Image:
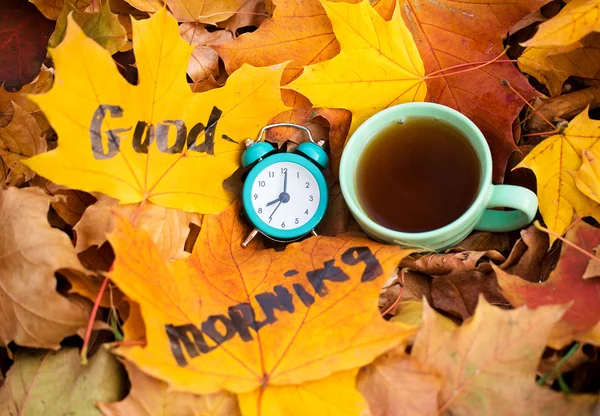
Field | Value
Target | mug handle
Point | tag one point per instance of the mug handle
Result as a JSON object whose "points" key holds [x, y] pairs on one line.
{"points": [[522, 199]]}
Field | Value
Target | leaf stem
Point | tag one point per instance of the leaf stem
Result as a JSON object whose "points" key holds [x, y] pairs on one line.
{"points": [[388, 310], [88, 332], [564, 240], [506, 83]]}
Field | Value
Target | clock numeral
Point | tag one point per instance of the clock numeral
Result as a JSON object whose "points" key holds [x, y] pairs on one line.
{"points": [[297, 221], [310, 198], [270, 219], [271, 174], [260, 210], [283, 224], [306, 212], [261, 184], [307, 185], [298, 175], [283, 170], [255, 196]]}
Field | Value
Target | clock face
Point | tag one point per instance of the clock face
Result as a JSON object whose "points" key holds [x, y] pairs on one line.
{"points": [[285, 195]]}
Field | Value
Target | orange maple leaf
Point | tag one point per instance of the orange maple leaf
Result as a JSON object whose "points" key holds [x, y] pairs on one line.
{"points": [[252, 320]]}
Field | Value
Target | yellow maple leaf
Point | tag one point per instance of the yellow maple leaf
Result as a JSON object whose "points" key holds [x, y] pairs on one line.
{"points": [[575, 20], [553, 65], [553, 162], [157, 140], [255, 321], [379, 65]]}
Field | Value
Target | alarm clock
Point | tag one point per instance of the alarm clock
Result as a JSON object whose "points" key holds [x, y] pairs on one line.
{"points": [[285, 195]]}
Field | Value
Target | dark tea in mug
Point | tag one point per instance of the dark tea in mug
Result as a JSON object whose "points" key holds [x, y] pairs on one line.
{"points": [[417, 175]]}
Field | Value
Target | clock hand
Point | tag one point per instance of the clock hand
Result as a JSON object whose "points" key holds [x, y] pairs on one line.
{"points": [[284, 181], [271, 216], [274, 201]]}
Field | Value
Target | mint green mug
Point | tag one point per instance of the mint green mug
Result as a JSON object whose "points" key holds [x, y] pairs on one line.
{"points": [[478, 216]]}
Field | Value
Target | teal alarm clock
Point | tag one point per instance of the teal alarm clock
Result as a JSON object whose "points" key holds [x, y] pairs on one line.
{"points": [[285, 195]]}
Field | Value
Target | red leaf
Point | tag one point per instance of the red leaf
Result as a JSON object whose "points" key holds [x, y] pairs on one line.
{"points": [[564, 285], [24, 34]]}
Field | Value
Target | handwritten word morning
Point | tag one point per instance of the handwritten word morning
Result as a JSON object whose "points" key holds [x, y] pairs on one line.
{"points": [[241, 318], [150, 133]]}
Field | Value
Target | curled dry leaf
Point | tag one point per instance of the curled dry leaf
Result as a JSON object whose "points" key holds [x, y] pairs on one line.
{"points": [[564, 285], [553, 65], [69, 204], [489, 363], [139, 163], [553, 162], [484, 241], [204, 62], [25, 33], [56, 383], [379, 65], [459, 278], [561, 108], [450, 33], [150, 397], [102, 26], [397, 385], [20, 139], [168, 228], [42, 83], [439, 264], [576, 20], [33, 314], [255, 321]]}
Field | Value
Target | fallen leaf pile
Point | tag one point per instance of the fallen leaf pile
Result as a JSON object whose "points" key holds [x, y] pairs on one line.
{"points": [[124, 287]]}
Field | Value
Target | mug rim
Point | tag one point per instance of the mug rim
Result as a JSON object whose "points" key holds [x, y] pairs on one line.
{"points": [[347, 172]]}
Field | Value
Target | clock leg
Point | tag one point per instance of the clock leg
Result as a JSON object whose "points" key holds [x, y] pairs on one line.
{"points": [[313, 232], [250, 238]]}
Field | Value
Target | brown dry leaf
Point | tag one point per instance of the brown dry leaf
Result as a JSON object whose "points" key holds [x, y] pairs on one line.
{"points": [[484, 241], [489, 363], [151, 397], [204, 62], [562, 107], [397, 385], [69, 204], [33, 313], [304, 116], [439, 264], [20, 139], [252, 13], [553, 65], [459, 278], [52, 8], [42, 83], [167, 227]]}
